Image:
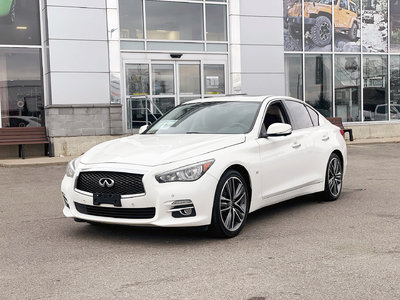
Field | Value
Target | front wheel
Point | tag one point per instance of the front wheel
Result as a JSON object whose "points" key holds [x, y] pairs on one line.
{"points": [[231, 205], [321, 32], [333, 178]]}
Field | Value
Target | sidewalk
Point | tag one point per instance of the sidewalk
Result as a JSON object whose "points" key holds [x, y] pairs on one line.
{"points": [[44, 161]]}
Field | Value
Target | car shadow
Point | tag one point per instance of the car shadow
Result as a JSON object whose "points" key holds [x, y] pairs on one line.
{"points": [[155, 235]]}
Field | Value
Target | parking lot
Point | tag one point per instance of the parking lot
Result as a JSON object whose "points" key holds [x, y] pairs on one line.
{"points": [[304, 248]]}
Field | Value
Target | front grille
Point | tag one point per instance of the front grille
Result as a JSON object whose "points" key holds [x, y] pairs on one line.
{"points": [[121, 213], [124, 183]]}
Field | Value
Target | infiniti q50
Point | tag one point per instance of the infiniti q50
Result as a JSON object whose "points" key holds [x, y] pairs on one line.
{"points": [[208, 162]]}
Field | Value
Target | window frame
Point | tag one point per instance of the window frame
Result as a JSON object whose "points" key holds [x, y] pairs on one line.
{"points": [[292, 119], [284, 112]]}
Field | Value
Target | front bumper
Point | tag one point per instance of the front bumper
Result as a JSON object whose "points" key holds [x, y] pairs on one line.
{"points": [[158, 195], [297, 21]]}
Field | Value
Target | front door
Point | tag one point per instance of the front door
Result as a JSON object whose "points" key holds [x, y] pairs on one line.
{"points": [[170, 83]]}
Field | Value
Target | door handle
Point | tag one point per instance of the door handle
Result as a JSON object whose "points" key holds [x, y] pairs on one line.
{"points": [[325, 138], [296, 145]]}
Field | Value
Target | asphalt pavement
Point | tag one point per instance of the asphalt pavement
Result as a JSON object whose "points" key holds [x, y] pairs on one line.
{"points": [[301, 249]]}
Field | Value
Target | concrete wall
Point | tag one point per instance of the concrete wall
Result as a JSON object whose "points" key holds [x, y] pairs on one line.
{"points": [[375, 130], [83, 120], [258, 47]]}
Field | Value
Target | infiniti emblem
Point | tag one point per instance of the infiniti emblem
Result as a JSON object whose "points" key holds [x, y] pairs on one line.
{"points": [[106, 182]]}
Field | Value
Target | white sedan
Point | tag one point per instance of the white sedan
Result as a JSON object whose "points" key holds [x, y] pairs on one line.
{"points": [[209, 162]]}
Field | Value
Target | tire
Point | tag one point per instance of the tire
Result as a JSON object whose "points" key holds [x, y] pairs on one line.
{"points": [[10, 18], [231, 205], [294, 32], [333, 178], [352, 34], [321, 32]]}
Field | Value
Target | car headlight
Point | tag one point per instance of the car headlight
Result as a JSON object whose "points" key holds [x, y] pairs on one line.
{"points": [[187, 173], [71, 167]]}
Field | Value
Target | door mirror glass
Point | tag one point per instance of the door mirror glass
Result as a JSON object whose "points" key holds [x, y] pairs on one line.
{"points": [[279, 129], [143, 129]]}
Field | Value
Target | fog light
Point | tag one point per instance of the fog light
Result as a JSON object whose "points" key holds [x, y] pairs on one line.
{"points": [[186, 212], [182, 209]]}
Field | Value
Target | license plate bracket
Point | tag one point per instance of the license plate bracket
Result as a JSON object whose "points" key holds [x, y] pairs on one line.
{"points": [[107, 199]]}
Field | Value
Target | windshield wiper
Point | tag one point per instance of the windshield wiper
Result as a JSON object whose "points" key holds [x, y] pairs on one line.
{"points": [[193, 132]]}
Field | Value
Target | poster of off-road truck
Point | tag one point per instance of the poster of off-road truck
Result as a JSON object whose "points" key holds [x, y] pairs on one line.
{"points": [[318, 28]]}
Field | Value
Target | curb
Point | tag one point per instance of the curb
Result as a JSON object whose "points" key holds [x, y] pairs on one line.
{"points": [[34, 162]]}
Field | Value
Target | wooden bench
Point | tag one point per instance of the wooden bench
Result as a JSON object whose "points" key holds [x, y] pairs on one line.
{"points": [[25, 136], [338, 122]]}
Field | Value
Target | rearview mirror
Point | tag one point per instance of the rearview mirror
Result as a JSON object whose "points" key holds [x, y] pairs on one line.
{"points": [[279, 129], [143, 129]]}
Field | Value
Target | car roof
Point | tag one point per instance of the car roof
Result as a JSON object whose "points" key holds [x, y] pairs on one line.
{"points": [[242, 98]]}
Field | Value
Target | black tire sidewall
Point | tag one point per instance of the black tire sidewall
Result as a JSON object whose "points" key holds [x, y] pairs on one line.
{"points": [[316, 38], [217, 227], [353, 32], [327, 192]]}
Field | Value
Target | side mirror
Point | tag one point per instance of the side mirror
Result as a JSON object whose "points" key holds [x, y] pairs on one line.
{"points": [[143, 129], [279, 129]]}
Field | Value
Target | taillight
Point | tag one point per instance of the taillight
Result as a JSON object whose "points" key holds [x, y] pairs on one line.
{"points": [[342, 132]]}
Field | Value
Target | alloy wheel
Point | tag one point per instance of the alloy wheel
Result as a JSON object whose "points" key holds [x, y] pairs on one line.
{"points": [[335, 176], [325, 31], [233, 203]]}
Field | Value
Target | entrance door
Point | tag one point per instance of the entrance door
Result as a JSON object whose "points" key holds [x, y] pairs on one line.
{"points": [[170, 83]]}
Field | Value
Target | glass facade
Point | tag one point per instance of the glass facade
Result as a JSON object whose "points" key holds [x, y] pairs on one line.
{"points": [[21, 87], [348, 67], [195, 26]]}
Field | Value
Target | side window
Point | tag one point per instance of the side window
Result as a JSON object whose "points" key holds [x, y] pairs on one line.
{"points": [[343, 4], [353, 7], [299, 115], [314, 116], [275, 114]]}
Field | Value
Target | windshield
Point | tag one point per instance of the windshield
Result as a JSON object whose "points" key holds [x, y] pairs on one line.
{"points": [[208, 118]]}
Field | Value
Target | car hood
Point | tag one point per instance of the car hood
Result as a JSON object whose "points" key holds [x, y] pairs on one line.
{"points": [[153, 150]]}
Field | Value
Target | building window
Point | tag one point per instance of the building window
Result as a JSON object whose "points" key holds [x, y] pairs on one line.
{"points": [[174, 20], [216, 22], [131, 19], [173, 26], [19, 22], [375, 88], [214, 79], [294, 75], [21, 92], [395, 25], [318, 82], [365, 38], [395, 87], [348, 87]]}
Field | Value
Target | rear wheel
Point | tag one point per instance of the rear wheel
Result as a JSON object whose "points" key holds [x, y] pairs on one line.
{"points": [[353, 32], [333, 178], [231, 205]]}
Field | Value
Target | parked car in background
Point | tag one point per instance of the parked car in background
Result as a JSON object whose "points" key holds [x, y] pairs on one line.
{"points": [[209, 162], [21, 121], [7, 10], [368, 17], [381, 112]]}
